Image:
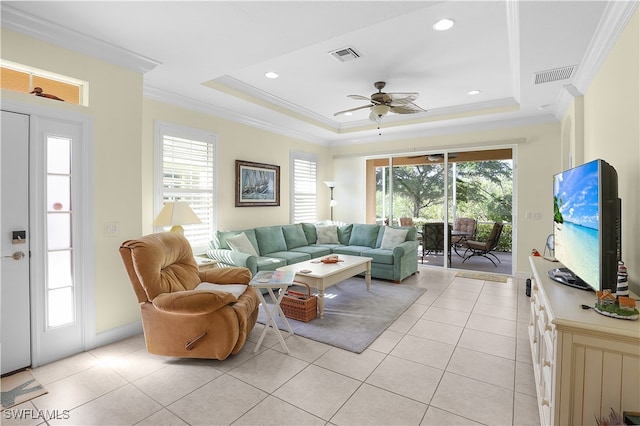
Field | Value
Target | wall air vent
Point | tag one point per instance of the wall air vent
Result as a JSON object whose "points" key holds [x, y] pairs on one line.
{"points": [[555, 74], [345, 54]]}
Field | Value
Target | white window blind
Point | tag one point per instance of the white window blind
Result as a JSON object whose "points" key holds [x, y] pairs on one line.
{"points": [[303, 187], [187, 173]]}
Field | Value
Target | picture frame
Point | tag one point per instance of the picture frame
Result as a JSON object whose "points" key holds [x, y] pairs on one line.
{"points": [[257, 184]]}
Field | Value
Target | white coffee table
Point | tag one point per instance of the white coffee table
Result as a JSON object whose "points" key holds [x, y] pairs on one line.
{"points": [[323, 275]]}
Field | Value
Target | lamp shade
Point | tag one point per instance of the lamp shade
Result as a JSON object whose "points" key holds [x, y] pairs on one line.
{"points": [[330, 184], [176, 214]]}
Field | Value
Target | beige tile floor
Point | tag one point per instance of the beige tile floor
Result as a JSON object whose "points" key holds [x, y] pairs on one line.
{"points": [[457, 356]]}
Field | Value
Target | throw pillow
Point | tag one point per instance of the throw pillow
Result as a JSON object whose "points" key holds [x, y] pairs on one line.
{"points": [[235, 289], [294, 236], [242, 244], [327, 234], [392, 237]]}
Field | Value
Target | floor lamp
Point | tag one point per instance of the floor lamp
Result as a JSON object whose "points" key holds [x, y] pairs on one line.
{"points": [[333, 202]]}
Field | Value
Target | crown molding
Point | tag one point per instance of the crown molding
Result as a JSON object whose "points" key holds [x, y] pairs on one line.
{"points": [[614, 20], [292, 109], [206, 108], [51, 32]]}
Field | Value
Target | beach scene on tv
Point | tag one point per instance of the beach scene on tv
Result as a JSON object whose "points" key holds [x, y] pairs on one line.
{"points": [[576, 220]]}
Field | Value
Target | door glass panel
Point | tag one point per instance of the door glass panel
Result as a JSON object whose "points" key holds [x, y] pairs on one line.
{"points": [[58, 193], [59, 269], [383, 196], [58, 155], [59, 231], [60, 278], [60, 303]]}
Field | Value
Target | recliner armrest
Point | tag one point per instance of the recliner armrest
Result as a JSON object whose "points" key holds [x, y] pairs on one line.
{"points": [[193, 302], [227, 275]]}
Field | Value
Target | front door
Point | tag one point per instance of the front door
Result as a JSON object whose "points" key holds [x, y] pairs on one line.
{"points": [[15, 243]]}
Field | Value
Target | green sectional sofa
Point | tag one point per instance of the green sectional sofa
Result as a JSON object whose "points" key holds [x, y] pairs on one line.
{"points": [[395, 256]]}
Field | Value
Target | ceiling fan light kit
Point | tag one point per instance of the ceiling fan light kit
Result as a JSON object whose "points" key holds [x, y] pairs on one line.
{"points": [[380, 109], [381, 103]]}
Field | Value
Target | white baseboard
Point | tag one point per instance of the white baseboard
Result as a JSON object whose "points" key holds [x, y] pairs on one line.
{"points": [[116, 334]]}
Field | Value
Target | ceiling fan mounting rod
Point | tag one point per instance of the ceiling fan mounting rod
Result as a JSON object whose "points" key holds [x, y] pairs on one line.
{"points": [[379, 85]]}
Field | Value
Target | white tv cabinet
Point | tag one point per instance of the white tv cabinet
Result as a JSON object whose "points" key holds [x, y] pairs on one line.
{"points": [[584, 363]]}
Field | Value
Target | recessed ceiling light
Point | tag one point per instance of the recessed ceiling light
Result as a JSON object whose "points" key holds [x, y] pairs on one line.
{"points": [[348, 113], [443, 24], [271, 74], [473, 92]]}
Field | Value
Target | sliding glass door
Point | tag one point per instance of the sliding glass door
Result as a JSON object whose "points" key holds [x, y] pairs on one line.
{"points": [[433, 189]]}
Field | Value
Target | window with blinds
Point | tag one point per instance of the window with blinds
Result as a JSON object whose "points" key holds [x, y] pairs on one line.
{"points": [[303, 187], [186, 166]]}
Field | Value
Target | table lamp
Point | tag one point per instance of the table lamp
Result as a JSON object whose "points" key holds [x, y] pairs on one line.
{"points": [[176, 214]]}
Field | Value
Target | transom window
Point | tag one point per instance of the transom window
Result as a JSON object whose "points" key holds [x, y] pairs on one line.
{"points": [[22, 78]]}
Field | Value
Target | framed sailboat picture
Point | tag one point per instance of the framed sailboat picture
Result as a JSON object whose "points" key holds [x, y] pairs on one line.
{"points": [[257, 184]]}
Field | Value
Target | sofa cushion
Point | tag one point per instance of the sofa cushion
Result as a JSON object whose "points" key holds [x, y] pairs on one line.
{"points": [[393, 237], [290, 257], [382, 256], [265, 263], [314, 250], [242, 244], [351, 250], [344, 233], [294, 236], [310, 232], [327, 234], [364, 235], [270, 239]]}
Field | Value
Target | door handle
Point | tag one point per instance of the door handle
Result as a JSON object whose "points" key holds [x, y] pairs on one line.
{"points": [[15, 256]]}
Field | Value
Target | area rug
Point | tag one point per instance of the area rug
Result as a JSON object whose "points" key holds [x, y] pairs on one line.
{"points": [[484, 277], [18, 388], [353, 317]]}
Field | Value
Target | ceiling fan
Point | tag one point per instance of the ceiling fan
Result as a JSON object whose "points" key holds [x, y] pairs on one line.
{"points": [[381, 103], [435, 157]]}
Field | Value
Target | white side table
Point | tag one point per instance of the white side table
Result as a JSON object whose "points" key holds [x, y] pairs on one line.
{"points": [[271, 280], [205, 263]]}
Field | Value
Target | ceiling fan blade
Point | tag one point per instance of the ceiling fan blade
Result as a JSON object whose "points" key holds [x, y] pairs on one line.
{"points": [[402, 98], [409, 108], [352, 109], [359, 97]]}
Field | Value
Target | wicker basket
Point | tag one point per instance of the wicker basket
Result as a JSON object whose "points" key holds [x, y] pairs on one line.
{"points": [[300, 306]]}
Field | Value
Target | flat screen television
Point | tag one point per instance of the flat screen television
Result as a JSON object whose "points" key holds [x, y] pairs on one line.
{"points": [[586, 226]]}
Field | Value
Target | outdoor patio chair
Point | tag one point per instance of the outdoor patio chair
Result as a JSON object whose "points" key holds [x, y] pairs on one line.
{"points": [[433, 239], [485, 248]]}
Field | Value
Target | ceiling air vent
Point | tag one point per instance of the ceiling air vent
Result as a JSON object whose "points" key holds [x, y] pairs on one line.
{"points": [[345, 54], [553, 75]]}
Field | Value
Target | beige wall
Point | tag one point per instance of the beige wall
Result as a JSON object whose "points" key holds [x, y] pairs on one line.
{"points": [[612, 132], [234, 142]]}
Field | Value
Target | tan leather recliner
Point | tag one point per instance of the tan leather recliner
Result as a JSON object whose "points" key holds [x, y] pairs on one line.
{"points": [[178, 320]]}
